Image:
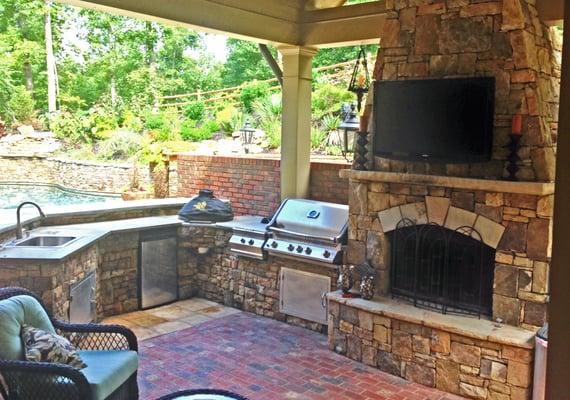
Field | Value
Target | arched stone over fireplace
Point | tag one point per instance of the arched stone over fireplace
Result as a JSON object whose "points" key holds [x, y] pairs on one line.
{"points": [[437, 210]]}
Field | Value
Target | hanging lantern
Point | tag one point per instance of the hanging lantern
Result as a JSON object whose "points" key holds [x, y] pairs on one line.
{"points": [[360, 80]]}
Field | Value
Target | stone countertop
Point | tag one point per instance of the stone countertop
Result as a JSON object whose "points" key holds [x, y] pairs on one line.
{"points": [[87, 234], [30, 214], [480, 329]]}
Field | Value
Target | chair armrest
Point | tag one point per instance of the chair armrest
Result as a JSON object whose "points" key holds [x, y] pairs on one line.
{"points": [[98, 336], [42, 380]]}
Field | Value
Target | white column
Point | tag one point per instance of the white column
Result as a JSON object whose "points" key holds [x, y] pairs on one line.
{"points": [[296, 121]]}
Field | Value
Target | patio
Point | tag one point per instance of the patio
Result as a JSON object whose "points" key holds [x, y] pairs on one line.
{"points": [[255, 350], [212, 346]]}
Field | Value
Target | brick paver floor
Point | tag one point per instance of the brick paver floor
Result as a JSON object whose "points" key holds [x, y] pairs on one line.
{"points": [[264, 359]]}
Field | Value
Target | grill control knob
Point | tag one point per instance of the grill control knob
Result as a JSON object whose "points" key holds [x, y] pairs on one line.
{"points": [[274, 244], [308, 250], [251, 242], [326, 254], [242, 240], [290, 247], [299, 249]]}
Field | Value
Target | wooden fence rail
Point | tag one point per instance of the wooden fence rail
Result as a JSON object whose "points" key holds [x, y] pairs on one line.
{"points": [[332, 72]]}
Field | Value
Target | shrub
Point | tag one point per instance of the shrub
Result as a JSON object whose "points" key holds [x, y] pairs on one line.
{"points": [[154, 121], [70, 127], [21, 104], [162, 126], [229, 119], [251, 92], [103, 122], [330, 122], [122, 145], [327, 99], [318, 138], [195, 110], [190, 132], [272, 129]]}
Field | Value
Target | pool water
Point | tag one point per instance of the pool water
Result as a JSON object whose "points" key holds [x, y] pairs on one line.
{"points": [[12, 194]]}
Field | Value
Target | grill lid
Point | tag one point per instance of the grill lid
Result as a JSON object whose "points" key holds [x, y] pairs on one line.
{"points": [[316, 219], [206, 208]]}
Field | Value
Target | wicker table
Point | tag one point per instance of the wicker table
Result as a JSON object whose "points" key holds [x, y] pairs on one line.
{"points": [[203, 394]]}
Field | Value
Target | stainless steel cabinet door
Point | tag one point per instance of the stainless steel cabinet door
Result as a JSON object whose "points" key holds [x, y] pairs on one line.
{"points": [[159, 275]]}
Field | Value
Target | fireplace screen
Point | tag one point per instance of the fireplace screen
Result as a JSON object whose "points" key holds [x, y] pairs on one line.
{"points": [[438, 268]]}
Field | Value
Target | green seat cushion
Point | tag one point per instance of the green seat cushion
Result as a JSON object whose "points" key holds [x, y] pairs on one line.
{"points": [[14, 313], [107, 370]]}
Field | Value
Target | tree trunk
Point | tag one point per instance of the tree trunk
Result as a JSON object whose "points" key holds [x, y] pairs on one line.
{"points": [[50, 60], [112, 50], [151, 58], [28, 76]]}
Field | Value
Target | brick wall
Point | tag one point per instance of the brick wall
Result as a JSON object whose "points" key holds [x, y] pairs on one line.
{"points": [[252, 184]]}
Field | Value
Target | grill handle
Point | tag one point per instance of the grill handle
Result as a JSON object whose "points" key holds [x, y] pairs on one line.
{"points": [[303, 236]]}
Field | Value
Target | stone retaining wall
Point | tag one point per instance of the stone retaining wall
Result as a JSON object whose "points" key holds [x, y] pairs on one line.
{"points": [[73, 174], [477, 369]]}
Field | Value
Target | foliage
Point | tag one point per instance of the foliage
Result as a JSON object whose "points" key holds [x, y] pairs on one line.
{"points": [[123, 144], [72, 127], [337, 55], [230, 119], [245, 63], [272, 129], [327, 99], [318, 138], [195, 110], [330, 122], [189, 130], [21, 105], [251, 92], [110, 81]]}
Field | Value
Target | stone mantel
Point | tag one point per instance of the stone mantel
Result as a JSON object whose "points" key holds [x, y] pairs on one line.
{"points": [[530, 188]]}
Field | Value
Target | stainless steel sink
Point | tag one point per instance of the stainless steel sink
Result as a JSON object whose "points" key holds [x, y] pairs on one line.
{"points": [[45, 241]]}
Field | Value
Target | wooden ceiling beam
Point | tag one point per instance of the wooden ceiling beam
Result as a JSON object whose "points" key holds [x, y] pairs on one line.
{"points": [[343, 26], [550, 11], [242, 19], [276, 21]]}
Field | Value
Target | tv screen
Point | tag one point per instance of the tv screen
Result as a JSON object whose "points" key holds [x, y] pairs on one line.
{"points": [[441, 120]]}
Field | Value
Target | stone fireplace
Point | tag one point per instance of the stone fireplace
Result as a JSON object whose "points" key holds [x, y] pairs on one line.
{"points": [[489, 355], [514, 219]]}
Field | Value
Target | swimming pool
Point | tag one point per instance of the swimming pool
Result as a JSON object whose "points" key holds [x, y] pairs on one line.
{"points": [[12, 194]]}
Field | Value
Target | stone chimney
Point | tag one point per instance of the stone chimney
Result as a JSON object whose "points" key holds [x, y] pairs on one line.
{"points": [[467, 38]]}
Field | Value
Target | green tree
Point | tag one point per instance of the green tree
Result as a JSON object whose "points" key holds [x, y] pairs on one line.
{"points": [[245, 63]]}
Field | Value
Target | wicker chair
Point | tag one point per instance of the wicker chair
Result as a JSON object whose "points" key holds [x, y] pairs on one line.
{"points": [[50, 381]]}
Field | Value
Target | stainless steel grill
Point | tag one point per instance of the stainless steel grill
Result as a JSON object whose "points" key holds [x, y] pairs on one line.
{"points": [[249, 236], [311, 230]]}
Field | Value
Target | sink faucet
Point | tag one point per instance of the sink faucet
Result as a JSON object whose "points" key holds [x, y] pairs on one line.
{"points": [[19, 231]]}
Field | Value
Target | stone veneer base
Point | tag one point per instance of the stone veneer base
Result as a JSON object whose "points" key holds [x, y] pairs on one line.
{"points": [[471, 357]]}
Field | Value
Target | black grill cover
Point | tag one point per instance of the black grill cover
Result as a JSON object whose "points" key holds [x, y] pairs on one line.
{"points": [[206, 208]]}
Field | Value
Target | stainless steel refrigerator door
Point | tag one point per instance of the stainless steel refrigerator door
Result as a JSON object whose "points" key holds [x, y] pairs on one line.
{"points": [[159, 275]]}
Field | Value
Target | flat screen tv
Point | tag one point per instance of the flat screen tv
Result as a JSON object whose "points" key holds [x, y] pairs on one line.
{"points": [[436, 120]]}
